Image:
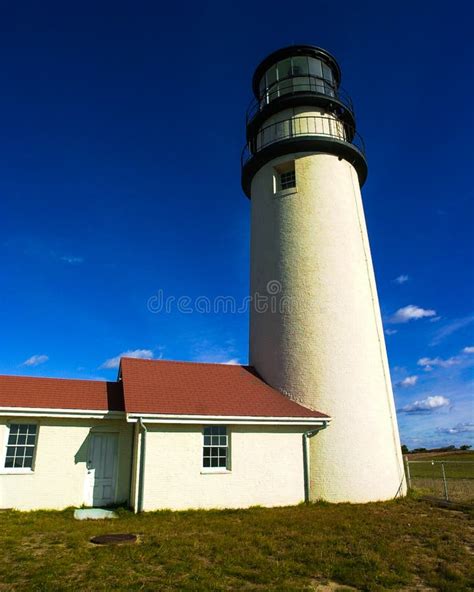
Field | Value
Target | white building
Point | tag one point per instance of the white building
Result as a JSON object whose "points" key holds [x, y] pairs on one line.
{"points": [[171, 435]]}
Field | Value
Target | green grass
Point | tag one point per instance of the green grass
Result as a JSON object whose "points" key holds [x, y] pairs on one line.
{"points": [[401, 545], [456, 466]]}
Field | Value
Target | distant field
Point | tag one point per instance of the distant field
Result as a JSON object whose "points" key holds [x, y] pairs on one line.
{"points": [[404, 546], [458, 465], [427, 477]]}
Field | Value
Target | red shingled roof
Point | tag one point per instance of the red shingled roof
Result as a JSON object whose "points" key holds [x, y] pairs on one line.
{"points": [[186, 388], [58, 393]]}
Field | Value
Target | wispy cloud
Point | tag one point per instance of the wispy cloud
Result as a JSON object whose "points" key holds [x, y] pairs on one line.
{"points": [[72, 260], [36, 360], [408, 381], [411, 312], [142, 354], [391, 331], [468, 350], [451, 328], [429, 363], [207, 350], [426, 405], [460, 428], [401, 279]]}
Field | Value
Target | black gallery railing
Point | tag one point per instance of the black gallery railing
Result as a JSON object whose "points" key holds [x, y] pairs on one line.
{"points": [[298, 84], [309, 126]]}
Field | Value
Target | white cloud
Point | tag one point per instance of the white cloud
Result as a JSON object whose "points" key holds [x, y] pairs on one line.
{"points": [[426, 405], [72, 260], [451, 328], [142, 354], [408, 381], [391, 331], [411, 312], [468, 350], [36, 360], [233, 362], [429, 363], [460, 428], [401, 279]]}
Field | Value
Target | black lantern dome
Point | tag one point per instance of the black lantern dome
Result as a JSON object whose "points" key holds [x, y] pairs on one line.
{"points": [[289, 79]]}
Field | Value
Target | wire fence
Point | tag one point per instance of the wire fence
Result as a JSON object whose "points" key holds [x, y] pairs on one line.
{"points": [[451, 480]]}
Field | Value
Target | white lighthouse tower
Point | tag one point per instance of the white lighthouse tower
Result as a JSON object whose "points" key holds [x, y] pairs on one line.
{"points": [[323, 345]]}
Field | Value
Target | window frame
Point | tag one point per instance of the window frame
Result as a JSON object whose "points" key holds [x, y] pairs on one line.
{"points": [[227, 467], [282, 169], [283, 182], [18, 470]]}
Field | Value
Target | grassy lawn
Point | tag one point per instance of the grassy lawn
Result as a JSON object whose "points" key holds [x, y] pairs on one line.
{"points": [[402, 545]]}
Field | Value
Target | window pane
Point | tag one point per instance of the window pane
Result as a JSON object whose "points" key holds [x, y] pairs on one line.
{"points": [[214, 462], [300, 66], [222, 462], [315, 68], [272, 75], [21, 446], [206, 462], [284, 69], [327, 73], [287, 180], [223, 440]]}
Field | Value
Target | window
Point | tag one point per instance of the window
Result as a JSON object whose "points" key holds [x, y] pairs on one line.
{"points": [[284, 177], [287, 180], [21, 446], [216, 448]]}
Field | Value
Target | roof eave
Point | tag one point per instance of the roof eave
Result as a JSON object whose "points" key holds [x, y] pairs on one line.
{"points": [[57, 412], [227, 419]]}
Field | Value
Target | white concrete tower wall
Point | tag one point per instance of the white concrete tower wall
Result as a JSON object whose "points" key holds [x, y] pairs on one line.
{"points": [[324, 345]]}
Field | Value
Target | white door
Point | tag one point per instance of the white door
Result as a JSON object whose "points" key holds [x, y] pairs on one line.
{"points": [[102, 469]]}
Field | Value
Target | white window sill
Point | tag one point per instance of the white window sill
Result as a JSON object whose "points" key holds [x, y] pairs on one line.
{"points": [[16, 472], [215, 472], [285, 192]]}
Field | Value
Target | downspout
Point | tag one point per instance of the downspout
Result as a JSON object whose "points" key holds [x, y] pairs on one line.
{"points": [[306, 459], [141, 470]]}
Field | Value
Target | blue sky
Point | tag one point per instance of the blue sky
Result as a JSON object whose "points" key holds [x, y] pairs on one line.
{"points": [[121, 131]]}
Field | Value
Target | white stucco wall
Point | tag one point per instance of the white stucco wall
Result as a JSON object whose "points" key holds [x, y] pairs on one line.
{"points": [[59, 475], [266, 468], [326, 349]]}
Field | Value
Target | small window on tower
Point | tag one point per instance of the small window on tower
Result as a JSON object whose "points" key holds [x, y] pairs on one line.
{"points": [[287, 180], [284, 177]]}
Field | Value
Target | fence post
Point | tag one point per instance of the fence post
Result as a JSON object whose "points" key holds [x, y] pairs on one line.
{"points": [[445, 482], [407, 466]]}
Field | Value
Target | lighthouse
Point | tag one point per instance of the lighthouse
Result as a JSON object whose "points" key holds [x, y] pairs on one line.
{"points": [[323, 346]]}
